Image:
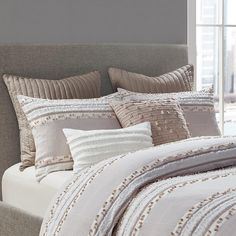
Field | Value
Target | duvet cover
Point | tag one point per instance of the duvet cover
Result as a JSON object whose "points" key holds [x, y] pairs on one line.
{"points": [[182, 188]]}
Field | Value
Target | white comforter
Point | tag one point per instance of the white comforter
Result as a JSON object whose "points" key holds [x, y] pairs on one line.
{"points": [[172, 189]]}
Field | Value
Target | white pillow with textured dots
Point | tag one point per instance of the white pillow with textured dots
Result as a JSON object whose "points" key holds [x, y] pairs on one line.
{"points": [[90, 147]]}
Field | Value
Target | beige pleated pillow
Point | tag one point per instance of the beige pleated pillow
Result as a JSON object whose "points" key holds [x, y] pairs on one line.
{"points": [[175, 81], [166, 118], [81, 86]]}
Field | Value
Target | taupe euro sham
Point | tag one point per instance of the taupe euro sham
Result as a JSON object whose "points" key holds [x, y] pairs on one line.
{"points": [[79, 86], [178, 80]]}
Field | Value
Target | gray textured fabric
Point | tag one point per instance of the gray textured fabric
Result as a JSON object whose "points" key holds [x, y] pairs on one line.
{"points": [[14, 222], [59, 61]]}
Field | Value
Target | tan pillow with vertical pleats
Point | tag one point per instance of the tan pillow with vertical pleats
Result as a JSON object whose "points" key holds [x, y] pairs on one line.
{"points": [[175, 81], [166, 118], [81, 86]]}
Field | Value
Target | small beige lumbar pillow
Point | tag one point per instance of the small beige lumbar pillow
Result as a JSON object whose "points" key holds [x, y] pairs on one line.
{"points": [[90, 147]]}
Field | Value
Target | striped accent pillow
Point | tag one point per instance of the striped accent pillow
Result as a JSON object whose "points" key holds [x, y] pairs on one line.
{"points": [[80, 86], [47, 119], [198, 108], [166, 117], [90, 147], [175, 81]]}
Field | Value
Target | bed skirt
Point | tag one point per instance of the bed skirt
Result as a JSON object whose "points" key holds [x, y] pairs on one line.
{"points": [[14, 222]]}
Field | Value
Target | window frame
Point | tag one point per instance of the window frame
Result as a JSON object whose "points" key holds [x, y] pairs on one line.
{"points": [[192, 49], [192, 36]]}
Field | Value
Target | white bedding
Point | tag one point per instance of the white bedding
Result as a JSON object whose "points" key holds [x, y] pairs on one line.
{"points": [[20, 189]]}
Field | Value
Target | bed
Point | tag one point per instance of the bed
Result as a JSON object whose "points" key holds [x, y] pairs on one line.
{"points": [[184, 185], [53, 61]]}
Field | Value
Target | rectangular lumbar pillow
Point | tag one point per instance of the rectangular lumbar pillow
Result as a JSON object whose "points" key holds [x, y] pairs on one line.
{"points": [[48, 118], [166, 117], [81, 86], [198, 109], [175, 81], [90, 147]]}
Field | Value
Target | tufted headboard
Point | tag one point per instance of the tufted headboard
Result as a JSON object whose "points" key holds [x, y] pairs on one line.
{"points": [[58, 61]]}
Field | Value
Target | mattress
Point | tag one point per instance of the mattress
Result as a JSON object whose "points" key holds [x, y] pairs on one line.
{"points": [[21, 190]]}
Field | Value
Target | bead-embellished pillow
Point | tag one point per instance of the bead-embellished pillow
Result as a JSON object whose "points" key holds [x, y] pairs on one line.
{"points": [[166, 118]]}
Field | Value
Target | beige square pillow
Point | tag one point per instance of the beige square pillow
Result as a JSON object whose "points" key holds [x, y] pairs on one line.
{"points": [[81, 86], [175, 81], [166, 118]]}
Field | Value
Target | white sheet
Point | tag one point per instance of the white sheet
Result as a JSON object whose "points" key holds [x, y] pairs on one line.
{"points": [[20, 189]]}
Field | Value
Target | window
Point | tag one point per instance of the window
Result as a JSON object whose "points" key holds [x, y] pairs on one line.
{"points": [[212, 43]]}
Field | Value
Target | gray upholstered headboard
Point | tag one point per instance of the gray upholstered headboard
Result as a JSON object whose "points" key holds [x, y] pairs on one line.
{"points": [[57, 61]]}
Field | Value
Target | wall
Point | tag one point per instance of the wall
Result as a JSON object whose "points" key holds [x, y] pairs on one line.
{"points": [[93, 21]]}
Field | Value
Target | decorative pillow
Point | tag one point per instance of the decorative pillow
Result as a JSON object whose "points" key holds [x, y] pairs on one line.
{"points": [[82, 86], [48, 118], [166, 117], [175, 81], [90, 147], [198, 109]]}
